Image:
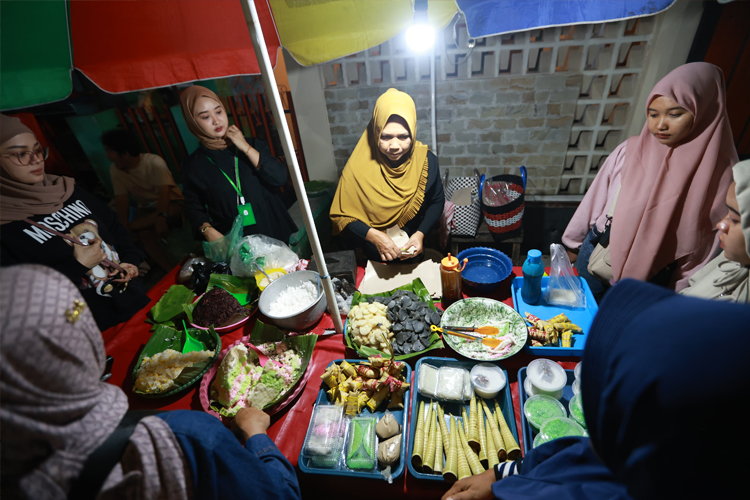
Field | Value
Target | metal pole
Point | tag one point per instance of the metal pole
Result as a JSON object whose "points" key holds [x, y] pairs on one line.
{"points": [[277, 108]]}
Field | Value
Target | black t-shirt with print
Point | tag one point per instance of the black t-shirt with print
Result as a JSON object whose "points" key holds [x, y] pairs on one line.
{"points": [[83, 217]]}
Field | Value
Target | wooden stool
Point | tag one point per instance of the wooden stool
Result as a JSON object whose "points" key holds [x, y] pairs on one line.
{"points": [[484, 238]]}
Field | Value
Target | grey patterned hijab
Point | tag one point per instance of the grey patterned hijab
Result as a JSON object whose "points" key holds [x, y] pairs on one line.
{"points": [[54, 411]]}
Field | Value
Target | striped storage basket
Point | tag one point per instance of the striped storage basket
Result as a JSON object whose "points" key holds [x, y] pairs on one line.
{"points": [[505, 221]]}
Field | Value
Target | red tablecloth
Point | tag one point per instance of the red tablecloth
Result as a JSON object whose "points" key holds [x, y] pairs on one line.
{"points": [[289, 426]]}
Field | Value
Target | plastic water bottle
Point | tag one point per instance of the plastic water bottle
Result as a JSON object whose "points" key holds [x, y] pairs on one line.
{"points": [[533, 270]]}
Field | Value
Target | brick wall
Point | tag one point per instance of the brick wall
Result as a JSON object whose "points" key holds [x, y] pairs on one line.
{"points": [[497, 124]]}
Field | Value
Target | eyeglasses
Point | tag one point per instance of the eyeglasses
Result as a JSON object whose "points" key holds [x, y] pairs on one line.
{"points": [[25, 158]]}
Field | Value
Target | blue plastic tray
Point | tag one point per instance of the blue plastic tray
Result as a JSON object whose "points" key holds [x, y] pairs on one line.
{"points": [[504, 399], [401, 417], [528, 432], [542, 310]]}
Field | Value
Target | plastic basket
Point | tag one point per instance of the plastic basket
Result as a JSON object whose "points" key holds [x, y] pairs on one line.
{"points": [[505, 221]]}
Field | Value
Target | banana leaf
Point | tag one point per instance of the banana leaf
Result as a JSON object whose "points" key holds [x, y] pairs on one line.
{"points": [[170, 304], [164, 338], [231, 284], [421, 291]]}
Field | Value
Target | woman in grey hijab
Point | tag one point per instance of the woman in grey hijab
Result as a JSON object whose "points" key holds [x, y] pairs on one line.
{"points": [[56, 415]]}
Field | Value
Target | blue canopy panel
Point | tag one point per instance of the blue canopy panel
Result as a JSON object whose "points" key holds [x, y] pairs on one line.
{"points": [[495, 17]]}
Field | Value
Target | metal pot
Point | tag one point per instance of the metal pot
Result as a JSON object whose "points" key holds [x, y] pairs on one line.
{"points": [[300, 320]]}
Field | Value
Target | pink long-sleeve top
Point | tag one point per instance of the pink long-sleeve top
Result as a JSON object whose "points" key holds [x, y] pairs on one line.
{"points": [[596, 205]]}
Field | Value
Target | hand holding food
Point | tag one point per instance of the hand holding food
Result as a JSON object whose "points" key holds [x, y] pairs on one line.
{"points": [[387, 249], [251, 421]]}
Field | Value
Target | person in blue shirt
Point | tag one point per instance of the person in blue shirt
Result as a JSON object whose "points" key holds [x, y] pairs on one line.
{"points": [[663, 383], [67, 434]]}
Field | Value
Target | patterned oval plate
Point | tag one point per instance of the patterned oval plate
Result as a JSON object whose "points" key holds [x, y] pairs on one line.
{"points": [[480, 311]]}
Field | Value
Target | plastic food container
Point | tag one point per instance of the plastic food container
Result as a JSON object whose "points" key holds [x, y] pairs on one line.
{"points": [[362, 448], [451, 382], [575, 407], [427, 383], [539, 440], [488, 380], [560, 427], [538, 409], [547, 377], [577, 371], [576, 387], [325, 437], [528, 387]]}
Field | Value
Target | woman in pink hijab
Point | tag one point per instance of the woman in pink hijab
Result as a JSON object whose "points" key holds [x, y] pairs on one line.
{"points": [[667, 186]]}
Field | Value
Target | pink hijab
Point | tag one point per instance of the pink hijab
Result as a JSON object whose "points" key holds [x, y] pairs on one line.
{"points": [[672, 197]]}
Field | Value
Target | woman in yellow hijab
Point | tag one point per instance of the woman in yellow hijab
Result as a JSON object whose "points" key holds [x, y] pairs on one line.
{"points": [[391, 179]]}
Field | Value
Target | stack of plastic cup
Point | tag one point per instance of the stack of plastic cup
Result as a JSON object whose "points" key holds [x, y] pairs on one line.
{"points": [[577, 381]]}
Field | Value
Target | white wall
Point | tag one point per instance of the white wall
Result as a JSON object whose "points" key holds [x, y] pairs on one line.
{"points": [[668, 49], [306, 85]]}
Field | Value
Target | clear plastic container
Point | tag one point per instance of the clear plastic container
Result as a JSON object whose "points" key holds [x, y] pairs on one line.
{"points": [[362, 446], [528, 387], [451, 383], [488, 380], [538, 409], [468, 389], [539, 440], [576, 386], [559, 427], [577, 371], [324, 442], [575, 407], [427, 383], [547, 377]]}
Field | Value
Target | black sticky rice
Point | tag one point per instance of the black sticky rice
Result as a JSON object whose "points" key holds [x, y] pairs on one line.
{"points": [[215, 308]]}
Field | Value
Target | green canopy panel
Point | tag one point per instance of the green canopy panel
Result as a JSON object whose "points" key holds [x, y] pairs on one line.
{"points": [[34, 47]]}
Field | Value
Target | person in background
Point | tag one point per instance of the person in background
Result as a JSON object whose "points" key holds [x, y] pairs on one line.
{"points": [[654, 404], [391, 179], [229, 174], [66, 434], [667, 186], [727, 277], [40, 217], [147, 179]]}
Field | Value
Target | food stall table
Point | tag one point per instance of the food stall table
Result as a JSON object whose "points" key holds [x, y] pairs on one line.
{"points": [[288, 427]]}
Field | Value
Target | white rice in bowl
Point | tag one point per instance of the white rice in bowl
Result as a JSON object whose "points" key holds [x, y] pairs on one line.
{"points": [[294, 299]]}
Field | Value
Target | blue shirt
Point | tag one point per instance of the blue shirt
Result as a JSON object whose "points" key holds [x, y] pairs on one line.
{"points": [[220, 467]]}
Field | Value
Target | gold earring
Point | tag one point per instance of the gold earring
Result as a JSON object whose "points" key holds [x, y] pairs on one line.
{"points": [[72, 316]]}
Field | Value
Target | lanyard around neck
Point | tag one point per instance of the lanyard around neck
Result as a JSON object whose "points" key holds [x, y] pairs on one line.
{"points": [[237, 187]]}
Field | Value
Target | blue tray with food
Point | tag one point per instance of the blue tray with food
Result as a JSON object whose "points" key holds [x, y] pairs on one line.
{"points": [[560, 407], [453, 392], [358, 425], [539, 315]]}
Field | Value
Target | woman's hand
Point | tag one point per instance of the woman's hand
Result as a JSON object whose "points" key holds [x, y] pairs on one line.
{"points": [[416, 242], [251, 421], [212, 234], [130, 269], [91, 255], [385, 245], [477, 487], [235, 136]]}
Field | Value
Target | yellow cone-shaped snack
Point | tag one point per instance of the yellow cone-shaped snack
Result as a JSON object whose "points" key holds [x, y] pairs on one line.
{"points": [[474, 441], [450, 474], [416, 456], [465, 420], [497, 438], [458, 451], [437, 464], [511, 446], [444, 429], [471, 457], [429, 453], [482, 437], [492, 459]]}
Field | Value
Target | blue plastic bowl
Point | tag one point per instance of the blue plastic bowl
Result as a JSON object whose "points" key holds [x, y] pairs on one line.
{"points": [[485, 269]]}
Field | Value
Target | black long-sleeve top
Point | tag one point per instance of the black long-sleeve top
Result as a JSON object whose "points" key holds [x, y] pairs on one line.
{"points": [[83, 217], [209, 197], [428, 214]]}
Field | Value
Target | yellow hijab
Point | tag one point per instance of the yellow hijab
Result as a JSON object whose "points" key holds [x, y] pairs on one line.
{"points": [[370, 190]]}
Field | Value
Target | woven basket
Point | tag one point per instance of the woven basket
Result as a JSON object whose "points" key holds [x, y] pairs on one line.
{"points": [[505, 221]]}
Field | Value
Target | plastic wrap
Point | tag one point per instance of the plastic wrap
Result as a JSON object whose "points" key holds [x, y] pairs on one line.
{"points": [[221, 249], [263, 251], [564, 287]]}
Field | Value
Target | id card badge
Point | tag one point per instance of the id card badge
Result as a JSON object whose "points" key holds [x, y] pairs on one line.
{"points": [[246, 212]]}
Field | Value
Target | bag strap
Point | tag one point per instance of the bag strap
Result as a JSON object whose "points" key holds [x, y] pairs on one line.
{"points": [[100, 463], [614, 202]]}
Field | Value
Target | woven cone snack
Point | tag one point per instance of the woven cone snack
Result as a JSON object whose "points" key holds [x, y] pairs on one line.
{"points": [[429, 453], [437, 464], [482, 438], [511, 446], [416, 456], [444, 429], [465, 420], [458, 450], [474, 441], [450, 474], [471, 457], [492, 459], [497, 438]]}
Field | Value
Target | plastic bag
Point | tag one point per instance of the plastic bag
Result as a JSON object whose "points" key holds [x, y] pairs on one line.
{"points": [[267, 253], [564, 287], [202, 272], [497, 194], [186, 272], [220, 250]]}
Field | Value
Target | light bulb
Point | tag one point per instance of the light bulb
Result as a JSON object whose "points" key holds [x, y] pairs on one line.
{"points": [[420, 37]]}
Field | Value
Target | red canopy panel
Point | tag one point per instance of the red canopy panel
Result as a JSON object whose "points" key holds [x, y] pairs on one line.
{"points": [[124, 46]]}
